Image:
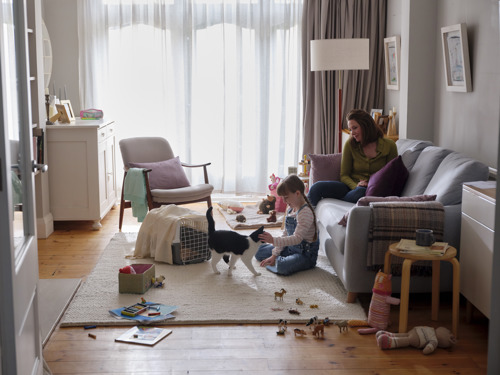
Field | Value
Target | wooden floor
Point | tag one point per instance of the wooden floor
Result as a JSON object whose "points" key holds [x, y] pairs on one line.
{"points": [[73, 250]]}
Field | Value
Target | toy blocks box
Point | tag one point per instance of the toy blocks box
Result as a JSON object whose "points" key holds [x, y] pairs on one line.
{"points": [[139, 282]]}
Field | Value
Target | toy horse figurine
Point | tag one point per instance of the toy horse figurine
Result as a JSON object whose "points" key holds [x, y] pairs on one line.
{"points": [[380, 305]]}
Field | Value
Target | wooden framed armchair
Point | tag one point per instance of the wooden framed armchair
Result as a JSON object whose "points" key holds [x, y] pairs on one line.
{"points": [[166, 182]]}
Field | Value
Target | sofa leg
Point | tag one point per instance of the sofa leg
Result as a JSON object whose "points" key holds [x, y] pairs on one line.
{"points": [[351, 297]]}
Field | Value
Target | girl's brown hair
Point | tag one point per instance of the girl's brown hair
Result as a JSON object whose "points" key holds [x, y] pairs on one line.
{"points": [[291, 184], [371, 132]]}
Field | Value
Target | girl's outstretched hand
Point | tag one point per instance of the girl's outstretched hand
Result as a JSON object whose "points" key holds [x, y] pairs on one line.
{"points": [[266, 237]]}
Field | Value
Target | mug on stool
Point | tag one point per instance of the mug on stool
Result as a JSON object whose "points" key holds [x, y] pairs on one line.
{"points": [[424, 237]]}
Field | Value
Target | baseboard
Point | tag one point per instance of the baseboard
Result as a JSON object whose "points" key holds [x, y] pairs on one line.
{"points": [[45, 226]]}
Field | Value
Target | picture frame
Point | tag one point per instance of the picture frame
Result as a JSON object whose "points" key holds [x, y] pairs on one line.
{"points": [[383, 123], [379, 111], [69, 110], [392, 55], [456, 58], [62, 114]]}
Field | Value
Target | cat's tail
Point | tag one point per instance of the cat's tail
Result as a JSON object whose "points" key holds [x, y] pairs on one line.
{"points": [[211, 222]]}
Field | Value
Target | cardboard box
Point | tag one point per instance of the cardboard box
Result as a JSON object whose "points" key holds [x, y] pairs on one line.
{"points": [[139, 282]]}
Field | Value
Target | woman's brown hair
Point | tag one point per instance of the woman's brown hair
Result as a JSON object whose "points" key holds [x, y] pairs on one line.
{"points": [[370, 131], [291, 184]]}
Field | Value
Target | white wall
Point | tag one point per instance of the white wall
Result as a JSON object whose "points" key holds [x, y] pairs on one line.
{"points": [[464, 122]]}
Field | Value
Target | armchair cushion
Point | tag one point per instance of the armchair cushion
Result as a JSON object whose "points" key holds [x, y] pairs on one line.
{"points": [[390, 180], [324, 167], [166, 174]]}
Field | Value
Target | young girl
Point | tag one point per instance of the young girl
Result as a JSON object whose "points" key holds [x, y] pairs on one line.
{"points": [[297, 249]]}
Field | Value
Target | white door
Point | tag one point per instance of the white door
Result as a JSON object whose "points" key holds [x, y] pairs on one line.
{"points": [[20, 342]]}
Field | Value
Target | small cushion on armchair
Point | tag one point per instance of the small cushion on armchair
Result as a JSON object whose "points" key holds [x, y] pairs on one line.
{"points": [[390, 180], [324, 167], [166, 174]]}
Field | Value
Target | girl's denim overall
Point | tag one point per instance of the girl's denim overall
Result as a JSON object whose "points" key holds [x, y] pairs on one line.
{"points": [[293, 258]]}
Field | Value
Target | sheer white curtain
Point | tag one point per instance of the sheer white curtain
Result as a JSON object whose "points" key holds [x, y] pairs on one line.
{"points": [[220, 79]]}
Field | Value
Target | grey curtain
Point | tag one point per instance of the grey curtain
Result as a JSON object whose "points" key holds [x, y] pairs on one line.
{"points": [[365, 89]]}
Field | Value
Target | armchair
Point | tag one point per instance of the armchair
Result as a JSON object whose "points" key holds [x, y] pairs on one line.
{"points": [[166, 182]]}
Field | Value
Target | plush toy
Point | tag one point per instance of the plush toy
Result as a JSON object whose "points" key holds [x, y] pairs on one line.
{"points": [[380, 306], [272, 217], [241, 218], [427, 338], [267, 204], [127, 269], [158, 282]]}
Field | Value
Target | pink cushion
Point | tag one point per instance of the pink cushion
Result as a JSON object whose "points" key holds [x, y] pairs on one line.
{"points": [[167, 174], [366, 200], [324, 167], [390, 180]]}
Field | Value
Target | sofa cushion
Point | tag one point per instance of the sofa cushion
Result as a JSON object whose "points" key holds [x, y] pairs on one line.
{"points": [[454, 170], [423, 170], [410, 150], [167, 174], [324, 167], [390, 180]]}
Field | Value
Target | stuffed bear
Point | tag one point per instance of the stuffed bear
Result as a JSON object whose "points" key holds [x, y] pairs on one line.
{"points": [[380, 305], [267, 204], [272, 218], [427, 338]]}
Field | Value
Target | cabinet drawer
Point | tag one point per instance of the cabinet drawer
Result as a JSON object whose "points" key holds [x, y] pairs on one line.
{"points": [[478, 208], [105, 132]]}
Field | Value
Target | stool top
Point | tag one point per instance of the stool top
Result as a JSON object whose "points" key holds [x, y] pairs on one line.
{"points": [[451, 252]]}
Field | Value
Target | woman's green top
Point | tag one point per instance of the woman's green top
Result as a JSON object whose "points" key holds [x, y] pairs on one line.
{"points": [[356, 166]]}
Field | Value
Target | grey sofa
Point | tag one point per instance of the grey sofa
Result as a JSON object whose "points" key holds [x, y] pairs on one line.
{"points": [[432, 170]]}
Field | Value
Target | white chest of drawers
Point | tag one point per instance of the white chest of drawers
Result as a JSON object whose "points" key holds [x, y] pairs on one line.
{"points": [[82, 171], [476, 243]]}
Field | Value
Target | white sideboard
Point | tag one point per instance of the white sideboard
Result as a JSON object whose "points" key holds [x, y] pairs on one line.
{"points": [[82, 171], [476, 244]]}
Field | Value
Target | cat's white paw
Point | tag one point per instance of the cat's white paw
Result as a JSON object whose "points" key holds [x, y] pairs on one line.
{"points": [[257, 274]]}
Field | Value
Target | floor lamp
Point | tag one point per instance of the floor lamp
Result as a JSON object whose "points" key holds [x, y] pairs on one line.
{"points": [[339, 55]]}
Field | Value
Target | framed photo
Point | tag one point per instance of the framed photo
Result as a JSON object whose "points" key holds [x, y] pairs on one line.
{"points": [[379, 111], [69, 109], [456, 58], [62, 114], [383, 122], [392, 53]]}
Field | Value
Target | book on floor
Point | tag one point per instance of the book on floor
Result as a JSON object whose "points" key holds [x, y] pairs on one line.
{"points": [[410, 247], [144, 335]]}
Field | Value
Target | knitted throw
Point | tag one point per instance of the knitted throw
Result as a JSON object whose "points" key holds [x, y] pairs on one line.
{"points": [[392, 221]]}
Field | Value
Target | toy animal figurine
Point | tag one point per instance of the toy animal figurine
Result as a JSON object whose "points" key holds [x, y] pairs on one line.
{"points": [[380, 305], [342, 324], [279, 294], [299, 332], [294, 311], [159, 281], [313, 320], [318, 330], [298, 301], [272, 218], [282, 325], [313, 306], [326, 321], [427, 338], [241, 219], [267, 204]]}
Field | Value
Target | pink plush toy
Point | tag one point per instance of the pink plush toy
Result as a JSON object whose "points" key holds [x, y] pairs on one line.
{"points": [[380, 306], [127, 269]]}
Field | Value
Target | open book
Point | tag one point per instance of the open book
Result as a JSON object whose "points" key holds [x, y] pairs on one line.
{"points": [[410, 247], [144, 335]]}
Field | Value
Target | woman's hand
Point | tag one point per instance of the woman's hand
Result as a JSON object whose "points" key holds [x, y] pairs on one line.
{"points": [[269, 261], [266, 237], [363, 183]]}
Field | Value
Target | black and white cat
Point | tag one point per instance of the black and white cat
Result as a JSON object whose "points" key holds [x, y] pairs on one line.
{"points": [[226, 242]]}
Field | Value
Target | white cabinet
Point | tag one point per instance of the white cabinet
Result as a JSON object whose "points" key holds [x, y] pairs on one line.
{"points": [[476, 243], [82, 170]]}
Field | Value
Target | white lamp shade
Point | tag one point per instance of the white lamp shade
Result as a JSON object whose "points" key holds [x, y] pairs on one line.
{"points": [[340, 54]]}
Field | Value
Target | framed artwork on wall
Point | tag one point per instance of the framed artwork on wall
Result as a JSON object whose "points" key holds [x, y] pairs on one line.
{"points": [[392, 52], [456, 58]]}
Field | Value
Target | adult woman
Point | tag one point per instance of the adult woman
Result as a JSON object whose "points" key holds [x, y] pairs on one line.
{"points": [[366, 152]]}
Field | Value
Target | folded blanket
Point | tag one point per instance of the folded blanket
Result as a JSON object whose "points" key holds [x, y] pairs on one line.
{"points": [[392, 221], [134, 190]]}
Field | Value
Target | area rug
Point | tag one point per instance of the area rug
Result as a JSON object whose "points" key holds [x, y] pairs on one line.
{"points": [[202, 297], [252, 218]]}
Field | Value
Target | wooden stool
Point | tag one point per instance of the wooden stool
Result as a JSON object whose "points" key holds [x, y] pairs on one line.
{"points": [[449, 256]]}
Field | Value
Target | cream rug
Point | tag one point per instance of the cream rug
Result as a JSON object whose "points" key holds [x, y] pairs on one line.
{"points": [[253, 219], [203, 297]]}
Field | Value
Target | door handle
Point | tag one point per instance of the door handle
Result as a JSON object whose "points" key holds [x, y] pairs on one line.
{"points": [[41, 167]]}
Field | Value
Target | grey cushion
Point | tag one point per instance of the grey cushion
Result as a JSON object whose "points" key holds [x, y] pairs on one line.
{"points": [[423, 170], [410, 150], [454, 170]]}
